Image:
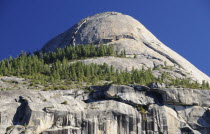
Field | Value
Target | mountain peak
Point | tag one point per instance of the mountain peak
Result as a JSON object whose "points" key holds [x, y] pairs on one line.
{"points": [[126, 33], [101, 28]]}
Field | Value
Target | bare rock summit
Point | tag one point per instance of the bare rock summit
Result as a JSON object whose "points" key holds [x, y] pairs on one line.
{"points": [[125, 32]]}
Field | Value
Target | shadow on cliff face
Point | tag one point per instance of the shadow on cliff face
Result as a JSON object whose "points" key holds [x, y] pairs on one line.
{"points": [[200, 122], [157, 96], [204, 123], [186, 130], [96, 94], [23, 113]]}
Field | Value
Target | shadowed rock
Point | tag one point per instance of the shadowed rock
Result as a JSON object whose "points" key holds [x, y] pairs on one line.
{"points": [[23, 113]]}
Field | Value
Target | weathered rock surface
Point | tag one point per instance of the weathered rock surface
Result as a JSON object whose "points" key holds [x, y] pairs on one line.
{"points": [[138, 63], [15, 83], [125, 33], [114, 109]]}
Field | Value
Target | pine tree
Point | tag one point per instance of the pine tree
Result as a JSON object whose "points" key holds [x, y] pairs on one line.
{"points": [[124, 53], [110, 50], [101, 50]]}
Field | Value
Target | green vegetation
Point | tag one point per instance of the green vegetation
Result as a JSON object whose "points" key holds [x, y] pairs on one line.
{"points": [[164, 67], [141, 109], [29, 64], [9, 128], [65, 103], [205, 85], [54, 68], [78, 52], [4, 89]]}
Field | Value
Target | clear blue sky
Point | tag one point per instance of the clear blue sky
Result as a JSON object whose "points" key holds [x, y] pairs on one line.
{"points": [[183, 25]]}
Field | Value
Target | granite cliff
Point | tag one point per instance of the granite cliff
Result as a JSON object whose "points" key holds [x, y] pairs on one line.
{"points": [[113, 109]]}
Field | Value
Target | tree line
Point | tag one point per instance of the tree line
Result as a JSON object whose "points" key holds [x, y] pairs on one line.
{"points": [[79, 52], [53, 67], [35, 68]]}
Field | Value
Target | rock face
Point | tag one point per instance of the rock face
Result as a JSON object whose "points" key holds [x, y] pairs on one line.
{"points": [[113, 109], [125, 33]]}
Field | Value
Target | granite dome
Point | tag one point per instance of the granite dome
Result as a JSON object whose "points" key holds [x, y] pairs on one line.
{"points": [[125, 32], [108, 27]]}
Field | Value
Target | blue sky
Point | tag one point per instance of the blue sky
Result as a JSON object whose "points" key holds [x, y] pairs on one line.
{"points": [[183, 25]]}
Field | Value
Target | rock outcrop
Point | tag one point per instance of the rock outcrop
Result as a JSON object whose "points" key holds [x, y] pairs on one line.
{"points": [[113, 109], [125, 33]]}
